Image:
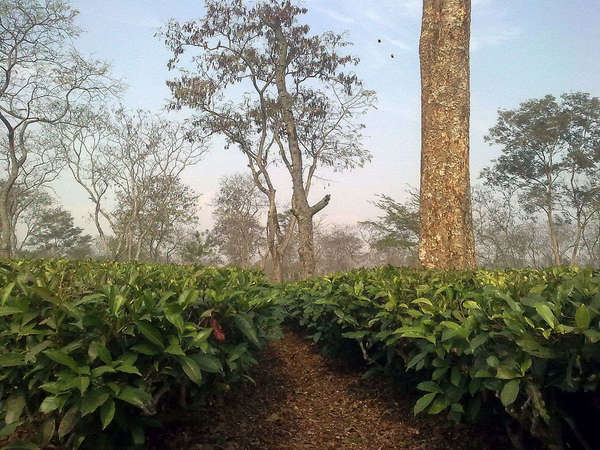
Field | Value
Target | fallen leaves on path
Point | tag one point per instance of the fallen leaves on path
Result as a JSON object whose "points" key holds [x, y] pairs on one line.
{"points": [[303, 401]]}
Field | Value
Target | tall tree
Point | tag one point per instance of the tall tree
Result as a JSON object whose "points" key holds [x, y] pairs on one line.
{"points": [[263, 50], [42, 77], [135, 158], [237, 210], [55, 235], [551, 158], [446, 234]]}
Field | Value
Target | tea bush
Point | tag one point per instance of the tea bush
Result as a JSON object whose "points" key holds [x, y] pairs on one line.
{"points": [[94, 352], [522, 339]]}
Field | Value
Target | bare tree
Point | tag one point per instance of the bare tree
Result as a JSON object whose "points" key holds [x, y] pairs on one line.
{"points": [[238, 207], [85, 147], [165, 205], [264, 50], [147, 149], [446, 236], [339, 248], [130, 165], [42, 78]]}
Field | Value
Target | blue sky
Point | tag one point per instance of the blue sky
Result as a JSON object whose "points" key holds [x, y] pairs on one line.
{"points": [[521, 49]]}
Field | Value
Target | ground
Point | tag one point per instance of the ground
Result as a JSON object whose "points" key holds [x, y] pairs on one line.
{"points": [[303, 400]]}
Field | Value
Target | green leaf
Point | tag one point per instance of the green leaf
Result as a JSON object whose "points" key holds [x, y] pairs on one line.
{"points": [[117, 303], [175, 349], [68, 422], [12, 360], [47, 431], [92, 401], [150, 333], [8, 430], [173, 315], [126, 368], [208, 363], [98, 349], [20, 445], [455, 376], [14, 408], [355, 334], [62, 358], [50, 404], [101, 370], [83, 383], [592, 335], [9, 311], [247, 328], [430, 386], [202, 335], [146, 349], [509, 393], [583, 317], [134, 396], [424, 402], [191, 369], [440, 404], [6, 292], [107, 413], [546, 313], [470, 304]]}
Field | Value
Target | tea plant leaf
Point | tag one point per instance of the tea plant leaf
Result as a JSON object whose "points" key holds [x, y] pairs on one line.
{"points": [[68, 422], [546, 313], [423, 402], [107, 413], [47, 431], [134, 396], [61, 357], [191, 369], [510, 391], [246, 327], [14, 408], [150, 333], [583, 317], [92, 401]]}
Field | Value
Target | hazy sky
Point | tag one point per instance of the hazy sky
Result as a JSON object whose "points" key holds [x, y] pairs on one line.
{"points": [[521, 49]]}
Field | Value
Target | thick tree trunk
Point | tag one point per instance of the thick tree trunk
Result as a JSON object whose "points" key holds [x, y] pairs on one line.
{"points": [[446, 235], [306, 250]]}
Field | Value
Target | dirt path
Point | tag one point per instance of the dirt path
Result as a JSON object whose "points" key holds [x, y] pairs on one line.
{"points": [[301, 401]]}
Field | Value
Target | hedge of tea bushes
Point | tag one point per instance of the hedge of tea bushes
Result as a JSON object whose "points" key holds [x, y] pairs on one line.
{"points": [[91, 354], [521, 340]]}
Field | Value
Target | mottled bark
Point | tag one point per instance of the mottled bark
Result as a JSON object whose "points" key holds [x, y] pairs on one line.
{"points": [[446, 235]]}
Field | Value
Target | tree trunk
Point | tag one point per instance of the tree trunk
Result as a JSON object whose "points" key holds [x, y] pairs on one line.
{"points": [[577, 243], [553, 238], [306, 250], [446, 235], [301, 209], [5, 226]]}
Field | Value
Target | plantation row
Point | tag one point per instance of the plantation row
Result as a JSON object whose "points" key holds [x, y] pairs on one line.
{"points": [[93, 354], [524, 341]]}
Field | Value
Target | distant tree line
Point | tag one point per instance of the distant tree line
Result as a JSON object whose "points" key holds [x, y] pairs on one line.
{"points": [[284, 97]]}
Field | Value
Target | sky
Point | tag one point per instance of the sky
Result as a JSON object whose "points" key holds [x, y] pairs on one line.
{"points": [[520, 49]]}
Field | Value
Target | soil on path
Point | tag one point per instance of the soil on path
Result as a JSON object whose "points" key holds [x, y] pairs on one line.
{"points": [[304, 401]]}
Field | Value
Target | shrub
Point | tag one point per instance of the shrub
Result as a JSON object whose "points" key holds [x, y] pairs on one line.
{"points": [[524, 337], [94, 351]]}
